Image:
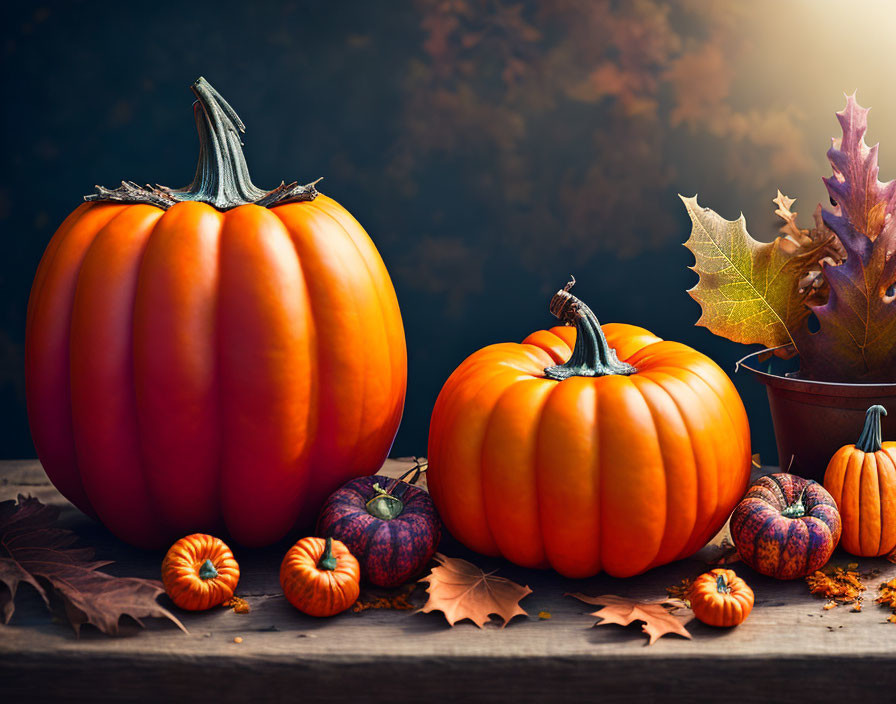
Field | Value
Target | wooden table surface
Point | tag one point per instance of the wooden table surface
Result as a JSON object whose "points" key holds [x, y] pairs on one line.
{"points": [[789, 649]]}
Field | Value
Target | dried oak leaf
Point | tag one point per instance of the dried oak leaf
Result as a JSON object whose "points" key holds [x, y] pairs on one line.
{"points": [[857, 321], [660, 617], [461, 590], [34, 551]]}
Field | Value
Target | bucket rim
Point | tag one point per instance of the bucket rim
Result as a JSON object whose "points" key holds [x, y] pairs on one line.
{"points": [[812, 386]]}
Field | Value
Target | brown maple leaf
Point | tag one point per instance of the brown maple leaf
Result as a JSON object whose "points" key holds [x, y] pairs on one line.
{"points": [[460, 590], [660, 617], [34, 551]]}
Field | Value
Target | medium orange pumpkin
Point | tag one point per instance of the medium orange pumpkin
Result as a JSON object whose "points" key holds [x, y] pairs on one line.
{"points": [[320, 577], [561, 452], [862, 480], [721, 598], [215, 357], [199, 572]]}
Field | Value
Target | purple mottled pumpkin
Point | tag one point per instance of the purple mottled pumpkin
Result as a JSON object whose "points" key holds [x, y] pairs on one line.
{"points": [[786, 526], [391, 526]]}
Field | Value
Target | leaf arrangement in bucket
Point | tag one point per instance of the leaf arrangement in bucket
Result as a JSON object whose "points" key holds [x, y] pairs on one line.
{"points": [[840, 273]]}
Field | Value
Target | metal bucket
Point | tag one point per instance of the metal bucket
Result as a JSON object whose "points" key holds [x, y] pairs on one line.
{"points": [[814, 419]]}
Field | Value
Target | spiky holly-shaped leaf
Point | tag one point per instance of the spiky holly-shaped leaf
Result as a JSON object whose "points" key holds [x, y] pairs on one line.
{"points": [[857, 336]]}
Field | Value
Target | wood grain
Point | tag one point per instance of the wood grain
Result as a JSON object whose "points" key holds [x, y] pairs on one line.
{"points": [[789, 647]]}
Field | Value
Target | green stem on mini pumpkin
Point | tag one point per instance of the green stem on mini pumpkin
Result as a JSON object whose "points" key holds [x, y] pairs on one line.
{"points": [[222, 175], [722, 585], [870, 439], [592, 354], [328, 559], [207, 570]]}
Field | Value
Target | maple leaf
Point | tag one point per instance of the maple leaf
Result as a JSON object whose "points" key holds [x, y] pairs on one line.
{"points": [[34, 551], [660, 617], [461, 590], [750, 291], [857, 333]]}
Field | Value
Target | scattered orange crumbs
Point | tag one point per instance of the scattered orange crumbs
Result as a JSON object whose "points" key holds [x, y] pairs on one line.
{"points": [[238, 604], [840, 586], [886, 596], [681, 591], [398, 601]]}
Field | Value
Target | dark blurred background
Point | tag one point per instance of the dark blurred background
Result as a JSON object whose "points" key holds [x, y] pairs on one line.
{"points": [[490, 148]]}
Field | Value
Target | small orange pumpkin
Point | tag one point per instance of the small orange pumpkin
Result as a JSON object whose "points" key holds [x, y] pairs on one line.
{"points": [[199, 572], [862, 480], [721, 598], [320, 577]]}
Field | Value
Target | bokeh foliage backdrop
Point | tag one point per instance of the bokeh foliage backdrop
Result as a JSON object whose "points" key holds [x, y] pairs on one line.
{"points": [[490, 147]]}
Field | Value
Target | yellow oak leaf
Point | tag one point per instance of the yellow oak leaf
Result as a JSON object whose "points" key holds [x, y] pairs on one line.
{"points": [[750, 291]]}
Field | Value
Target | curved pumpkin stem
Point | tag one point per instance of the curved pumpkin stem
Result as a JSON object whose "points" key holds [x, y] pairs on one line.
{"points": [[870, 439], [328, 559], [222, 176], [722, 585], [592, 354]]}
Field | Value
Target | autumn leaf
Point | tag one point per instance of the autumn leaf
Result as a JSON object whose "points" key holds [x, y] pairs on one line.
{"points": [[857, 335], [34, 551], [660, 617], [750, 291], [461, 590]]}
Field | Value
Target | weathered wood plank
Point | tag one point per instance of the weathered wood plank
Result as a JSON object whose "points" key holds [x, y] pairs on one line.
{"points": [[788, 641]]}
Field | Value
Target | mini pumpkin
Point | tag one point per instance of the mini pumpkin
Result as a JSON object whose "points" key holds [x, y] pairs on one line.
{"points": [[786, 526], [199, 572], [862, 480], [588, 449], [721, 598], [389, 525], [320, 577]]}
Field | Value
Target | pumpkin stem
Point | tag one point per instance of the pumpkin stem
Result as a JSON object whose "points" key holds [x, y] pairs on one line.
{"points": [[384, 505], [328, 559], [870, 439], [222, 176], [722, 585], [207, 570], [797, 509], [592, 355]]}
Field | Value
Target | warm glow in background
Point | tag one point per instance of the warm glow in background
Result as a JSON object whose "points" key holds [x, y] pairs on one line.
{"points": [[489, 147]]}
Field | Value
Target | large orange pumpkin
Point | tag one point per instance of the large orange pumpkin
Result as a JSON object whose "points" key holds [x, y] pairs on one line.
{"points": [[215, 357], [561, 452]]}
